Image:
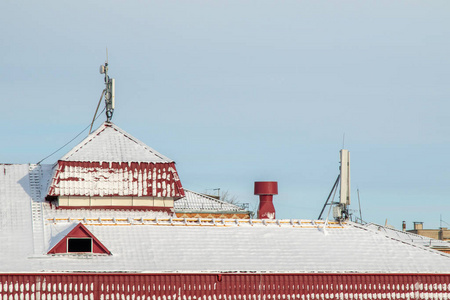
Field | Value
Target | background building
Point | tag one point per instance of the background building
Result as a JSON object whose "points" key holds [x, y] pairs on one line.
{"points": [[442, 233]]}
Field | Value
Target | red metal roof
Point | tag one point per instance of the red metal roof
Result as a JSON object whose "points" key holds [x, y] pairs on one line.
{"points": [[224, 286], [116, 179]]}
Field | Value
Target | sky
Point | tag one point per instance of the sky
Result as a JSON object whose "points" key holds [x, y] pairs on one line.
{"points": [[243, 91]]}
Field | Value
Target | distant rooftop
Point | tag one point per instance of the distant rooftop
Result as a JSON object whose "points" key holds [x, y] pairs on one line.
{"points": [[409, 237], [194, 202]]}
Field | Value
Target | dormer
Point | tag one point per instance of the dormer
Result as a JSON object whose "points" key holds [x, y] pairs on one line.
{"points": [[79, 241], [111, 169]]}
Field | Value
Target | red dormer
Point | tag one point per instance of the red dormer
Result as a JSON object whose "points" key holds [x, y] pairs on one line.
{"points": [[79, 241], [112, 169]]}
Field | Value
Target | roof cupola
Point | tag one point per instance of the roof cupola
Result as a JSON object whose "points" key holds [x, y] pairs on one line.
{"points": [[112, 169]]}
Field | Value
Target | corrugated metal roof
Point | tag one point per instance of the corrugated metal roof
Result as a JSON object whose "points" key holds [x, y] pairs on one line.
{"points": [[227, 286], [194, 201], [112, 144]]}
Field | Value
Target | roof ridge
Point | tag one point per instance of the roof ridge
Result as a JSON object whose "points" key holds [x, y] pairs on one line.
{"points": [[209, 222]]}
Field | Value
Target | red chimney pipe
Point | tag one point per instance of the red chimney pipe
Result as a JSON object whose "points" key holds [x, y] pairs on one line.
{"points": [[266, 190]]}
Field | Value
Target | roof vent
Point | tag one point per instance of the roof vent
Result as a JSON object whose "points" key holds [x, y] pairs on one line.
{"points": [[266, 190]]}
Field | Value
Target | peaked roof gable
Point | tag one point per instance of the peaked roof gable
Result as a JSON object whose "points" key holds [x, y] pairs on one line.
{"points": [[111, 162], [80, 231], [109, 143]]}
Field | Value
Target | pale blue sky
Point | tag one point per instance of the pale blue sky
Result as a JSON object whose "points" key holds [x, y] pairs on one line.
{"points": [[238, 91]]}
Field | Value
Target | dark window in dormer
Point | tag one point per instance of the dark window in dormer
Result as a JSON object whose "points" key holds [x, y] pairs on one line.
{"points": [[79, 245], [79, 240]]}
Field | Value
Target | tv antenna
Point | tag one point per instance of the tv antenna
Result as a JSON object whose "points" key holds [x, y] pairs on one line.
{"points": [[108, 92]]}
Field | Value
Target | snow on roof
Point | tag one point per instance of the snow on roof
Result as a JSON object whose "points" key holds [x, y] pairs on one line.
{"points": [[16, 233], [111, 144], [111, 162], [116, 179], [141, 243], [194, 201], [408, 236]]}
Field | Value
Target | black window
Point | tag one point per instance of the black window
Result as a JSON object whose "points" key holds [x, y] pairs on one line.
{"points": [[79, 245]]}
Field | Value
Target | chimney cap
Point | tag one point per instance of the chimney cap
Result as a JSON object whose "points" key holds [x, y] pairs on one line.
{"points": [[266, 188]]}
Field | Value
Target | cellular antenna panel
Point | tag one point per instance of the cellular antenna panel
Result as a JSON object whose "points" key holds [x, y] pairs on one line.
{"points": [[345, 177]]}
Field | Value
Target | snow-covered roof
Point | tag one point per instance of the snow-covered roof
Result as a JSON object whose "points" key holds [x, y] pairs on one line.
{"points": [[109, 143], [111, 162], [409, 237], [195, 202], [142, 242]]}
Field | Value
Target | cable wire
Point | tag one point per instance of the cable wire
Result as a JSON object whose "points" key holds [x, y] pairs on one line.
{"points": [[87, 127], [98, 105]]}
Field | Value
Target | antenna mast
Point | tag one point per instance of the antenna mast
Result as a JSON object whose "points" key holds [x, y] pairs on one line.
{"points": [[109, 90], [340, 209]]}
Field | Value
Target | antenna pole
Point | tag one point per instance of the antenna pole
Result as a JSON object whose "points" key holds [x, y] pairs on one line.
{"points": [[359, 203], [98, 105], [109, 90]]}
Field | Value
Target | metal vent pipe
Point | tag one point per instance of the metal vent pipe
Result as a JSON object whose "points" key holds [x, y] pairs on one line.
{"points": [[266, 190]]}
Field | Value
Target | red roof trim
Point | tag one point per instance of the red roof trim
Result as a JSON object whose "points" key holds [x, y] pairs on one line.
{"points": [[229, 285], [136, 179], [79, 231], [147, 208]]}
